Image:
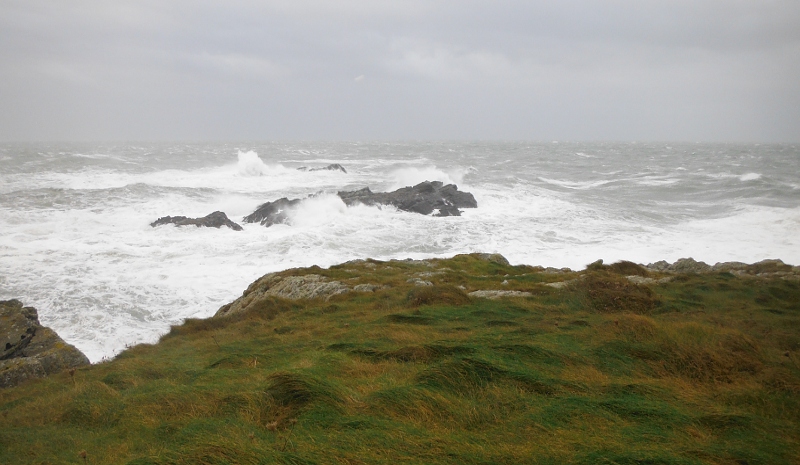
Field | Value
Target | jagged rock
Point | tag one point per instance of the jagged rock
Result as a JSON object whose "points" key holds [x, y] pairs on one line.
{"points": [[30, 350], [429, 197], [213, 220], [270, 213], [310, 286], [683, 265], [425, 198], [331, 167], [490, 294]]}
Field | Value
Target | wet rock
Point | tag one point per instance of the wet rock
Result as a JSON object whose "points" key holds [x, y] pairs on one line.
{"points": [[310, 286], [30, 350], [429, 197], [331, 167], [270, 213], [213, 220]]}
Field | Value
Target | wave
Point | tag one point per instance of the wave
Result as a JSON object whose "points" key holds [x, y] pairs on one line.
{"points": [[411, 176], [750, 177], [578, 185]]}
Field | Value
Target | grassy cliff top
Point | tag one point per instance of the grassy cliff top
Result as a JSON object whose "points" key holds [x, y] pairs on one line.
{"points": [[614, 364]]}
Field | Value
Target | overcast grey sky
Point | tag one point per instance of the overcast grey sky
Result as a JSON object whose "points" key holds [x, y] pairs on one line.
{"points": [[699, 70]]}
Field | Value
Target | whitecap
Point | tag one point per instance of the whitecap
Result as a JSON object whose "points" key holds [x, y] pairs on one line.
{"points": [[749, 177]]}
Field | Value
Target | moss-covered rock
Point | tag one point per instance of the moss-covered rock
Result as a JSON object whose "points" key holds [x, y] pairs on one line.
{"points": [[30, 350]]}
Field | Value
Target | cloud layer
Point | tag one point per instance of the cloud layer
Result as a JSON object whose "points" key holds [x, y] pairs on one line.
{"points": [[708, 70]]}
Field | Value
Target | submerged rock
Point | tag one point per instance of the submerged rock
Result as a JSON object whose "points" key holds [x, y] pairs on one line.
{"points": [[429, 197], [30, 350], [213, 220], [331, 167]]}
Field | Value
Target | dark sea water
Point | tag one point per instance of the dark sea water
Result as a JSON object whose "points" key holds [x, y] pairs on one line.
{"points": [[75, 239]]}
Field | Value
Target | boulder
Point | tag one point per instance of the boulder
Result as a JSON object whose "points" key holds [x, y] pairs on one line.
{"points": [[270, 213], [331, 167], [429, 197], [30, 350], [310, 286], [213, 220]]}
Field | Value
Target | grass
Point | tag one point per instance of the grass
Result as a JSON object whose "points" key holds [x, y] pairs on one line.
{"points": [[703, 369]]}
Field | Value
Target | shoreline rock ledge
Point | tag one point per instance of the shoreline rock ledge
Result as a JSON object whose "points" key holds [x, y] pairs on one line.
{"points": [[30, 350], [212, 220]]}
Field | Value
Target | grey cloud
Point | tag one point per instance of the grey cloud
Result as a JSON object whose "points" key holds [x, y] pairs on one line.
{"points": [[700, 70]]}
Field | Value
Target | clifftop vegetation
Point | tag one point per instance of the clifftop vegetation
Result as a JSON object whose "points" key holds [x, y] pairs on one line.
{"points": [[613, 364]]}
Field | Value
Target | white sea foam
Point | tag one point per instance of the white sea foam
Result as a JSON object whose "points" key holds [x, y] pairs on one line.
{"points": [[411, 176], [78, 245], [579, 185]]}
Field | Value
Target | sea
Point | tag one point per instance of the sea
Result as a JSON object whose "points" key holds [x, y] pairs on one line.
{"points": [[76, 241]]}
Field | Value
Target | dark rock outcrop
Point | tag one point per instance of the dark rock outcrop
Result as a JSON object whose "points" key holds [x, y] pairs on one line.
{"points": [[272, 212], [30, 350], [331, 167], [213, 220], [429, 197]]}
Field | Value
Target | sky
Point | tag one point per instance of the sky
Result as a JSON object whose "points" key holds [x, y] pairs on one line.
{"points": [[678, 70]]}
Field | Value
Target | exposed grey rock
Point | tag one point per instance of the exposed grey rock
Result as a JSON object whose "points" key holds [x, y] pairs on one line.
{"points": [[494, 258], [429, 197], [310, 286], [492, 294], [683, 265], [559, 284], [419, 282], [331, 167], [643, 280], [270, 213], [729, 266], [30, 350], [366, 287], [213, 220]]}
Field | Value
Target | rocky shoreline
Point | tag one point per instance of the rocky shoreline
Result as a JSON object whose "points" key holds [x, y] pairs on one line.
{"points": [[31, 350], [426, 198]]}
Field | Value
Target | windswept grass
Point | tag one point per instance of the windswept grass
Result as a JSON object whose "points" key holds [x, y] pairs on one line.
{"points": [[704, 369]]}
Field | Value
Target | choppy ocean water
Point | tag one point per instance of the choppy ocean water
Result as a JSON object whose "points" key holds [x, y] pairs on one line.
{"points": [[75, 239]]}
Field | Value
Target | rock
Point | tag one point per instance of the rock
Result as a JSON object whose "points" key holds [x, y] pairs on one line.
{"points": [[560, 284], [426, 198], [366, 287], [683, 265], [635, 279], [493, 258], [213, 220], [331, 167], [419, 282], [488, 294], [429, 197], [270, 213], [30, 350], [310, 286]]}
